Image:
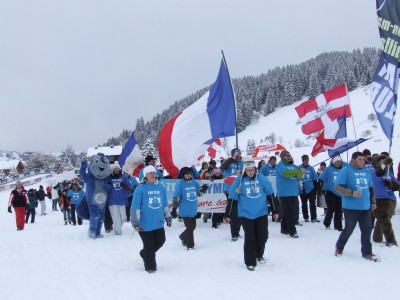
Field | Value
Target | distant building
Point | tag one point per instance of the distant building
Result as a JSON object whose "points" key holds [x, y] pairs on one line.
{"points": [[112, 152], [9, 165]]}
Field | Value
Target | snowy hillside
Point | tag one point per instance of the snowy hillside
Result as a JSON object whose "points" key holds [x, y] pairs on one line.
{"points": [[283, 122]]}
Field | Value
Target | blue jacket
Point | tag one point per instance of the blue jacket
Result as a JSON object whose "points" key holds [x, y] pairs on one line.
{"points": [[308, 178], [149, 207], [329, 178], [286, 187], [33, 202], [381, 191], [268, 170], [187, 192], [251, 194], [76, 196], [119, 192], [355, 179]]}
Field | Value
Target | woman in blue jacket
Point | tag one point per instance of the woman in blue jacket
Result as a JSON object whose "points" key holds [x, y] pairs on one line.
{"points": [[250, 191], [148, 211]]}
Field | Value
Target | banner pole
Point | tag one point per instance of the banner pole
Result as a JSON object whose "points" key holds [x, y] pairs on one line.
{"points": [[234, 98]]}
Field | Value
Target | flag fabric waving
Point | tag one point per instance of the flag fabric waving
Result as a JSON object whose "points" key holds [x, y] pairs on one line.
{"points": [[131, 159], [315, 113], [334, 139], [385, 81], [187, 136]]}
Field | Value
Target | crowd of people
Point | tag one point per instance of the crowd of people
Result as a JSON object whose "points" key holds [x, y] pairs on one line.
{"points": [[361, 191]]}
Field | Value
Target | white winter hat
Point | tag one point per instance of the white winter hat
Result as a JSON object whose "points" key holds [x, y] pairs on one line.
{"points": [[336, 158], [116, 165], [148, 169], [249, 164]]}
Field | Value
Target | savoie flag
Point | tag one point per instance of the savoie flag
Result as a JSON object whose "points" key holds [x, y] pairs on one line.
{"points": [[187, 136], [385, 81]]}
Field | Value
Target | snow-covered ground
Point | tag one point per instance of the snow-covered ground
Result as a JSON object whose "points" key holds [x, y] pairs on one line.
{"points": [[49, 260]]}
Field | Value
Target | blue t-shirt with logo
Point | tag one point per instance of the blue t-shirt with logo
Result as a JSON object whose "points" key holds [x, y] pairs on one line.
{"points": [[329, 178], [151, 200], [251, 194], [286, 187], [357, 180], [309, 177], [76, 196], [188, 202], [268, 170]]}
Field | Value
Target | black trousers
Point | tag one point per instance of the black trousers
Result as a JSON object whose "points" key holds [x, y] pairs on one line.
{"points": [[108, 222], [290, 208], [187, 235], [334, 204], [74, 216], [152, 242], [312, 198], [30, 212], [255, 237]]}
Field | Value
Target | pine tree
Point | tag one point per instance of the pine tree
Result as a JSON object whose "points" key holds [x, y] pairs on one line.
{"points": [[148, 149]]}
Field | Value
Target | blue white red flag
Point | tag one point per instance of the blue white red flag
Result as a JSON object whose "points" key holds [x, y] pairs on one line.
{"points": [[334, 139], [187, 136], [131, 159]]}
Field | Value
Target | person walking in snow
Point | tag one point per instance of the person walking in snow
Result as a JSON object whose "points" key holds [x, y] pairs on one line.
{"points": [[65, 205], [288, 176], [75, 195], [186, 198], [384, 185], [54, 197], [309, 192], [41, 196], [332, 197], [118, 197], [31, 208], [232, 166], [18, 200], [148, 212], [268, 169], [355, 185], [251, 190]]}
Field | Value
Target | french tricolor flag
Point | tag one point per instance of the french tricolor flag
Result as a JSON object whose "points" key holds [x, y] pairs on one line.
{"points": [[131, 159], [187, 136]]}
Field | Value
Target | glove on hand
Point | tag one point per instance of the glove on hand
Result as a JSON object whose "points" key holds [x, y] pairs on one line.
{"points": [[9, 210], [203, 188], [173, 213]]}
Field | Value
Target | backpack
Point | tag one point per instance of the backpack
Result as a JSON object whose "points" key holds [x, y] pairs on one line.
{"points": [[82, 209]]}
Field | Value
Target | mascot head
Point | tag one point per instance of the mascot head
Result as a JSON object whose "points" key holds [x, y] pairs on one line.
{"points": [[100, 166]]}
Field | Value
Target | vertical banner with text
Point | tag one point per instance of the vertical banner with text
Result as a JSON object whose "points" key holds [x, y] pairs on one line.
{"points": [[385, 81]]}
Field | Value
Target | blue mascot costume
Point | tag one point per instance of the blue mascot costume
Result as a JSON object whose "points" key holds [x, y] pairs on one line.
{"points": [[98, 185]]}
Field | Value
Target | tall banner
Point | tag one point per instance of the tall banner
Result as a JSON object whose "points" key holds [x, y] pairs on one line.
{"points": [[385, 81]]}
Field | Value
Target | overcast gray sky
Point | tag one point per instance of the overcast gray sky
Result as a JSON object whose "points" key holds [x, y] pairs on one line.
{"points": [[76, 72]]}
